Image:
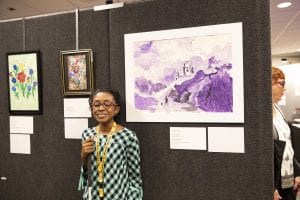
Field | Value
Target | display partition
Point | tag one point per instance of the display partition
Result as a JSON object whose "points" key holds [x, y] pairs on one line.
{"points": [[167, 173], [188, 174]]}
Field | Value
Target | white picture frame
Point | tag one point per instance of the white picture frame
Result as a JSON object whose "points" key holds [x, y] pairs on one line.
{"points": [[185, 75]]}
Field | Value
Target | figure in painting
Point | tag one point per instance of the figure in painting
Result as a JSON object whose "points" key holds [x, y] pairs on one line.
{"points": [[77, 73]]}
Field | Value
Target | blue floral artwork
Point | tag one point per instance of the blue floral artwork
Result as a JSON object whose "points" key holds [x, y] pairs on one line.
{"points": [[23, 82], [184, 75]]}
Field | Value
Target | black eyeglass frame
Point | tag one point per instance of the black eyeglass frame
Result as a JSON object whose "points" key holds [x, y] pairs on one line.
{"points": [[105, 104]]}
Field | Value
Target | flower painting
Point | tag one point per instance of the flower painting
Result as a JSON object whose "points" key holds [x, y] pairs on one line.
{"points": [[185, 75], [23, 83], [24, 91]]}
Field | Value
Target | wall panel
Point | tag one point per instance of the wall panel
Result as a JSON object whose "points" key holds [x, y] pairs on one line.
{"points": [[194, 175], [52, 170]]}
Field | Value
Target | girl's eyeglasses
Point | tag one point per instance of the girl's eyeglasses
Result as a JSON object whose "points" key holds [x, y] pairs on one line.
{"points": [[105, 104]]}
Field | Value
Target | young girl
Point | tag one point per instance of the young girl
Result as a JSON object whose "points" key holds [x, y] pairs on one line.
{"points": [[114, 152]]}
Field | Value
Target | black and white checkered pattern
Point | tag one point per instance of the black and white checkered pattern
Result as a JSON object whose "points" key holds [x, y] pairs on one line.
{"points": [[122, 177]]}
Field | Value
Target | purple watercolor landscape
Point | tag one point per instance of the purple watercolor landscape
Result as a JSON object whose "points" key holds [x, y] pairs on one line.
{"points": [[190, 74]]}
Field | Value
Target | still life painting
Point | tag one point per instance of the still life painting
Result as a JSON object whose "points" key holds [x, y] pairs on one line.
{"points": [[24, 82], [185, 75]]}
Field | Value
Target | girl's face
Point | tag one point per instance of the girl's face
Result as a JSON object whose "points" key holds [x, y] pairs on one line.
{"points": [[104, 107], [277, 89]]}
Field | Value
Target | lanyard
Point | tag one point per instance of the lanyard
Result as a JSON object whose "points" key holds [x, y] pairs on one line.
{"points": [[101, 161]]}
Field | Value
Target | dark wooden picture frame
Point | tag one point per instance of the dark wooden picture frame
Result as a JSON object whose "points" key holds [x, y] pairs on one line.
{"points": [[77, 72]]}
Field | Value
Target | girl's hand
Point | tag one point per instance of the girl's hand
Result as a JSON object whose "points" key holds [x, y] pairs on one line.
{"points": [[87, 147]]}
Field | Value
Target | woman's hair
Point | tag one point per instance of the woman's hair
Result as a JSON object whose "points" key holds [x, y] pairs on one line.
{"points": [[111, 91], [277, 74]]}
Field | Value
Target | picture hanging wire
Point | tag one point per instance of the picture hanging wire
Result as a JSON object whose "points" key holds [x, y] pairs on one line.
{"points": [[24, 34], [76, 27]]}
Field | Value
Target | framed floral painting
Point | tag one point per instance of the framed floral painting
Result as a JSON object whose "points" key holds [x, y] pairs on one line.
{"points": [[77, 72], [24, 82]]}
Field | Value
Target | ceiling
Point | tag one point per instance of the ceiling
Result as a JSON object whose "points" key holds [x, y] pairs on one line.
{"points": [[285, 23], [285, 29], [26, 8]]}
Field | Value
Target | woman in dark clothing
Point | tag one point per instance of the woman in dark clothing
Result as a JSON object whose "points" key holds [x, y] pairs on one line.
{"points": [[285, 184]]}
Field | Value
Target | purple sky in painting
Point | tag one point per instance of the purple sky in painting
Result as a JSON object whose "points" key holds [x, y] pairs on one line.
{"points": [[146, 56]]}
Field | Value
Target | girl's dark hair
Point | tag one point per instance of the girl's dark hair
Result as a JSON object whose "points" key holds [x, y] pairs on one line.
{"points": [[111, 91]]}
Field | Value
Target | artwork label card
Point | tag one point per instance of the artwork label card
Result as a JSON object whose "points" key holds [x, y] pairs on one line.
{"points": [[21, 124], [74, 127], [77, 107], [192, 138], [20, 143], [226, 139]]}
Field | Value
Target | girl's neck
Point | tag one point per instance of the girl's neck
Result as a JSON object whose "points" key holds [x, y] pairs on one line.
{"points": [[106, 127]]}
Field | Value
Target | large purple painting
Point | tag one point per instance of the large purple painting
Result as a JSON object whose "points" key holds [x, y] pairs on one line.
{"points": [[185, 75]]}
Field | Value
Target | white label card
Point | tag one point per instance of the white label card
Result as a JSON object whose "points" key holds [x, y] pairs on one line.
{"points": [[190, 138], [21, 124], [74, 127], [226, 139], [77, 107], [20, 143]]}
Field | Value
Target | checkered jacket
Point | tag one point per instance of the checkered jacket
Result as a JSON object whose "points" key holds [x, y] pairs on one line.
{"points": [[122, 176]]}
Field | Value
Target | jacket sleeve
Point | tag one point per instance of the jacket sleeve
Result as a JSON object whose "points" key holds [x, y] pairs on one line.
{"points": [[135, 191], [295, 161], [296, 167], [83, 179], [278, 153]]}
